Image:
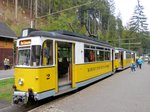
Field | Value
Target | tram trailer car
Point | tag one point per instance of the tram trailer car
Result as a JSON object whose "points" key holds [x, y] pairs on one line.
{"points": [[123, 58], [52, 63]]}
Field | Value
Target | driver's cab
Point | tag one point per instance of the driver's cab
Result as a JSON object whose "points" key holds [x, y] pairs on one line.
{"points": [[31, 53]]}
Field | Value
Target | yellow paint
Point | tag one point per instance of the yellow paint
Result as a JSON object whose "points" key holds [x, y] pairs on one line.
{"points": [[117, 64], [56, 81], [133, 60], [91, 70], [44, 57], [73, 67], [127, 62], [40, 79]]}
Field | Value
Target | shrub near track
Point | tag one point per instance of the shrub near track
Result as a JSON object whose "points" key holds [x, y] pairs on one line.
{"points": [[6, 90]]}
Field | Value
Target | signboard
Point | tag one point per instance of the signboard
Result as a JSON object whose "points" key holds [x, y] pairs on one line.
{"points": [[25, 42]]}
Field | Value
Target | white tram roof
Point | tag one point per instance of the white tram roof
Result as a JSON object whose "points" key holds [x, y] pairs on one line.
{"points": [[122, 49], [69, 36]]}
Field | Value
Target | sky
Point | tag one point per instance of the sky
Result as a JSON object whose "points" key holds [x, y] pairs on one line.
{"points": [[126, 8]]}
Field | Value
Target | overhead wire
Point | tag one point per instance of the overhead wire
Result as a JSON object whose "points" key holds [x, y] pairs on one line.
{"points": [[65, 10]]}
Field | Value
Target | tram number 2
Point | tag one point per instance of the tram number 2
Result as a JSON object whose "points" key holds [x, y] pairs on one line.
{"points": [[48, 76]]}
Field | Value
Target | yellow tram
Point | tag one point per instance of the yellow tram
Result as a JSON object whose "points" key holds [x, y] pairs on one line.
{"points": [[123, 58], [52, 63]]}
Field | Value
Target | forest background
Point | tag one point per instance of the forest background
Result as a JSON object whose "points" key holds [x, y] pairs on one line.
{"points": [[95, 18]]}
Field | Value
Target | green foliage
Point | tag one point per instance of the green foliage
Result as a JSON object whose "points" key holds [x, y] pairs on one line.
{"points": [[69, 15], [76, 19], [138, 20], [61, 22], [138, 27]]}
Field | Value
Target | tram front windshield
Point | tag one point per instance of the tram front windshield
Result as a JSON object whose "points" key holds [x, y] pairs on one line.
{"points": [[24, 57], [29, 56]]}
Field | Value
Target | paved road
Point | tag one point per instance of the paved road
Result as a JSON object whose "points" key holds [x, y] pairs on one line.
{"points": [[6, 74], [125, 91]]}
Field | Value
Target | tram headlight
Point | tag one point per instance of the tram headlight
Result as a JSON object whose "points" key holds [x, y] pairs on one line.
{"points": [[20, 82]]}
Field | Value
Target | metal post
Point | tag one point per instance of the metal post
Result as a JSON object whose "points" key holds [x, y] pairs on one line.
{"points": [[32, 24], [36, 12]]}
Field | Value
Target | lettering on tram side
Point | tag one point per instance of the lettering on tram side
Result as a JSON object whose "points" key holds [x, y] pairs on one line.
{"points": [[48, 76], [97, 68], [128, 61]]}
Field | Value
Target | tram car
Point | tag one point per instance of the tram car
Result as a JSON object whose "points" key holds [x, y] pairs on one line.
{"points": [[123, 58], [52, 63]]}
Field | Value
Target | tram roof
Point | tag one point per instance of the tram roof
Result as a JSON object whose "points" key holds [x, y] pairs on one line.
{"points": [[70, 36], [122, 49]]}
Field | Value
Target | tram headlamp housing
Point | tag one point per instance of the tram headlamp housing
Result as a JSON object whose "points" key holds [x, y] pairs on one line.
{"points": [[20, 82]]}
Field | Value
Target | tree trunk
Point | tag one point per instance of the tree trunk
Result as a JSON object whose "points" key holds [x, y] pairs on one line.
{"points": [[16, 9]]}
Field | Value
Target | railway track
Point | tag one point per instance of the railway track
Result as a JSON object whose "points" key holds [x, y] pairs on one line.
{"points": [[19, 108], [25, 107], [31, 105]]}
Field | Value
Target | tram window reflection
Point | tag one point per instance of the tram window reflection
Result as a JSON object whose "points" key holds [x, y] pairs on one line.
{"points": [[107, 55], [101, 55], [92, 55], [117, 56], [86, 55], [24, 57], [128, 55], [47, 58], [36, 51], [97, 55], [89, 55]]}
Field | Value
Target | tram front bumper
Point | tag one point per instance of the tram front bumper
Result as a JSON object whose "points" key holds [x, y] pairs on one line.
{"points": [[20, 97], [23, 97]]}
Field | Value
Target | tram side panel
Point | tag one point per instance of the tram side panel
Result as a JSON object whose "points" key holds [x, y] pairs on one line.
{"points": [[91, 70], [32, 79], [127, 59], [38, 80], [118, 61], [87, 69]]}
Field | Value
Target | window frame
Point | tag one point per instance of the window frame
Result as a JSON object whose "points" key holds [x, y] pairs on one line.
{"points": [[51, 55], [97, 49]]}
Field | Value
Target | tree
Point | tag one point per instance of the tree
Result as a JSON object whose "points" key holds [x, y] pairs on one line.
{"points": [[82, 16], [119, 29], [138, 26], [138, 21], [99, 19]]}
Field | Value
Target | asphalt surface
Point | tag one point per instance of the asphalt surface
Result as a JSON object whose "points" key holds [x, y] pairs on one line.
{"points": [[4, 74], [125, 91]]}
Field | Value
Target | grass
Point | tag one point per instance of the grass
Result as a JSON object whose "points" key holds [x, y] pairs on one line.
{"points": [[6, 90]]}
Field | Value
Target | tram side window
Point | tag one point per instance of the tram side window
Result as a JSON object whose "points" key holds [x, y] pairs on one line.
{"points": [[101, 55], [47, 55], [128, 55], [86, 55], [97, 55], [116, 55], [24, 57], [36, 51], [89, 55], [92, 55], [107, 55]]}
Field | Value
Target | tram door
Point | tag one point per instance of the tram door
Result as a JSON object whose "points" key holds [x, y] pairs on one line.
{"points": [[64, 64], [113, 53], [121, 59]]}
